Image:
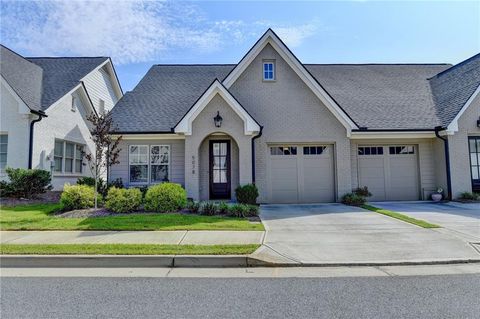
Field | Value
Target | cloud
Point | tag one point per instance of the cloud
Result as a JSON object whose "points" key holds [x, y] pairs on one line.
{"points": [[129, 31]]}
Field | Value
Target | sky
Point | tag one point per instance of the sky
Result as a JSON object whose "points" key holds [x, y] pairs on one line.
{"points": [[138, 34]]}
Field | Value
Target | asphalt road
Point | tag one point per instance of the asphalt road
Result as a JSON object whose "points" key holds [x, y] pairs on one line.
{"points": [[446, 296]]}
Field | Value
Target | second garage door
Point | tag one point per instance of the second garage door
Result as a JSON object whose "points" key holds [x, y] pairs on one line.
{"points": [[301, 174], [389, 171]]}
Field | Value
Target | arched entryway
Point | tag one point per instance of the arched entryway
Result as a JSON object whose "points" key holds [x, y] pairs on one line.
{"points": [[218, 167]]}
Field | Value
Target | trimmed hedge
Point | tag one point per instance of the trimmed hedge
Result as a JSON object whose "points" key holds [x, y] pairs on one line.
{"points": [[121, 200], [26, 183], [77, 197], [247, 194], [165, 197]]}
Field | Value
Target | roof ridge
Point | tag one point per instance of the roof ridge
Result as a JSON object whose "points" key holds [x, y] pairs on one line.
{"points": [[195, 64], [456, 65], [68, 57], [362, 64]]}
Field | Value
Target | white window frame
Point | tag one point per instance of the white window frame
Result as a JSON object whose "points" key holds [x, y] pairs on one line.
{"points": [[130, 164], [274, 71], [150, 162], [74, 159], [6, 152]]}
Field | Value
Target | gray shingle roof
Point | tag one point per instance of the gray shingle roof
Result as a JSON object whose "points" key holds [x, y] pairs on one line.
{"points": [[24, 77], [453, 87], [382, 96], [60, 75], [164, 95]]}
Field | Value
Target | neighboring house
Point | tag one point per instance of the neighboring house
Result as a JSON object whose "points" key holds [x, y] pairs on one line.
{"points": [[44, 103], [302, 132]]}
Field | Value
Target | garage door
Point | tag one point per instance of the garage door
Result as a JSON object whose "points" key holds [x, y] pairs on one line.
{"points": [[389, 171], [301, 174]]}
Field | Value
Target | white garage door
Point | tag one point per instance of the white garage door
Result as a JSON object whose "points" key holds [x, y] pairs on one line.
{"points": [[389, 171], [301, 174]]}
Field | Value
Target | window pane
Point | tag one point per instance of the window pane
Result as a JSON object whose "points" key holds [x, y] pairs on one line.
{"points": [[58, 164], [3, 160], [380, 150], [472, 145], [69, 149], [58, 149], [3, 147], [159, 173], [216, 176], [79, 152], [4, 138], [475, 172], [133, 149], [216, 149], [216, 162], [306, 150], [473, 159], [68, 165], [223, 148], [165, 154], [138, 173], [78, 166], [223, 176], [360, 151]]}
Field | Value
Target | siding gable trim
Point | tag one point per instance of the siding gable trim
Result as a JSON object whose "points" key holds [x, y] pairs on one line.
{"points": [[271, 38], [453, 126], [112, 74], [185, 125]]}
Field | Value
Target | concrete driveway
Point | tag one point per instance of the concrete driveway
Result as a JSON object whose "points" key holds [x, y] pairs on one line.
{"points": [[458, 219], [335, 233]]}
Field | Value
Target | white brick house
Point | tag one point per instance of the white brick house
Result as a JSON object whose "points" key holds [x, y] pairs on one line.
{"points": [[44, 103]]}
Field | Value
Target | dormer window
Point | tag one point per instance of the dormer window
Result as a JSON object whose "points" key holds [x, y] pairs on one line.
{"points": [[269, 70]]}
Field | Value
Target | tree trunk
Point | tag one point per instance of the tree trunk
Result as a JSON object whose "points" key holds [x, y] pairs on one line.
{"points": [[96, 188]]}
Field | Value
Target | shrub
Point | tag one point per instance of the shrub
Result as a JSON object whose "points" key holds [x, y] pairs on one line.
{"points": [[6, 190], [90, 181], [118, 183], [193, 207], [208, 209], [121, 200], [469, 196], [166, 197], [27, 183], [247, 194], [362, 191], [77, 197], [243, 210], [353, 199], [223, 208]]}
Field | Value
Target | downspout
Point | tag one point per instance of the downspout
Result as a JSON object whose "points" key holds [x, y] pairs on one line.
{"points": [[447, 160], [30, 144], [253, 153]]}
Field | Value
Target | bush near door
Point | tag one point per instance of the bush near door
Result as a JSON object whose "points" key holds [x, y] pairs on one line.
{"points": [[247, 194]]}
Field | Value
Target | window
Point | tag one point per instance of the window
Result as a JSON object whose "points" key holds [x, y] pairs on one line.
{"points": [[474, 148], [400, 150], [3, 150], [268, 70], [68, 157], [313, 150], [101, 107], [74, 106], [283, 150], [370, 150], [160, 162], [138, 160]]}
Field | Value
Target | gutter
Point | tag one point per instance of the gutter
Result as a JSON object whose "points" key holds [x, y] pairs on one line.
{"points": [[253, 152], [447, 160], [30, 143]]}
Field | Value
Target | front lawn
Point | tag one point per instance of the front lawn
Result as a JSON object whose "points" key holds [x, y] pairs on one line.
{"points": [[126, 249], [40, 217]]}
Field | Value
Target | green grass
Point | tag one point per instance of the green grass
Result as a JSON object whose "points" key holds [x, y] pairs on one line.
{"points": [[40, 217], [402, 217], [126, 249]]}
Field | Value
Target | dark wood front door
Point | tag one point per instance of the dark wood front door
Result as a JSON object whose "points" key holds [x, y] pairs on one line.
{"points": [[220, 169]]}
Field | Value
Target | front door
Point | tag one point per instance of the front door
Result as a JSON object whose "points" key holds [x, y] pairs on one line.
{"points": [[220, 169]]}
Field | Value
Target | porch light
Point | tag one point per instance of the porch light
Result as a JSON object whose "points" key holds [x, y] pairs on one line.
{"points": [[218, 119], [478, 122]]}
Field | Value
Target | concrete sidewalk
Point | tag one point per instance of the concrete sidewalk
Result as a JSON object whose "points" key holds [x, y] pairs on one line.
{"points": [[133, 237]]}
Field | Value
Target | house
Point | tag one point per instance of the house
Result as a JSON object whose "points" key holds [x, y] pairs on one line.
{"points": [[303, 132], [43, 110]]}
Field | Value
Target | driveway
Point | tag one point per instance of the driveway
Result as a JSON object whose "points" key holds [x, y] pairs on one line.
{"points": [[335, 233], [459, 219]]}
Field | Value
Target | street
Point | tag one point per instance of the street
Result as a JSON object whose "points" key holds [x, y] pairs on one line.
{"points": [[362, 295]]}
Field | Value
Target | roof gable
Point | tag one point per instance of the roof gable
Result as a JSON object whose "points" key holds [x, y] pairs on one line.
{"points": [[185, 124], [272, 39]]}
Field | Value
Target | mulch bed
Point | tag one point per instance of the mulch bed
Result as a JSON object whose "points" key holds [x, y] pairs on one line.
{"points": [[47, 198]]}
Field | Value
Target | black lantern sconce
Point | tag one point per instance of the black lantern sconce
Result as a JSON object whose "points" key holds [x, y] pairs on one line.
{"points": [[218, 119], [478, 122]]}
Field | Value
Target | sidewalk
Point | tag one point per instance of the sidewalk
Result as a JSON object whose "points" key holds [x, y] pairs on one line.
{"points": [[133, 237]]}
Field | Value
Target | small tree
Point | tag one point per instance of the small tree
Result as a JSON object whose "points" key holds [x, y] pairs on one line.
{"points": [[106, 152]]}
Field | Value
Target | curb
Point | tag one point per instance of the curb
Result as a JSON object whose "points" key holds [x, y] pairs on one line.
{"points": [[191, 261]]}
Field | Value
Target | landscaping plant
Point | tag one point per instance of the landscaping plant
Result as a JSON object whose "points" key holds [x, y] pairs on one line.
{"points": [[26, 183], [469, 196], [243, 210], [353, 199], [193, 206], [247, 194], [165, 197], [77, 197], [121, 200], [208, 209], [222, 208], [362, 191]]}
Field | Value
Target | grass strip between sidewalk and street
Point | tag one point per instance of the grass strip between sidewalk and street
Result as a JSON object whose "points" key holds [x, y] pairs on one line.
{"points": [[402, 217], [42, 217], [126, 249]]}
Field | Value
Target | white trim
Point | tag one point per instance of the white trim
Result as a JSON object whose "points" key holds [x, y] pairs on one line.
{"points": [[391, 135], [23, 108], [111, 74], [453, 126], [148, 165], [270, 38], [130, 137], [185, 125]]}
